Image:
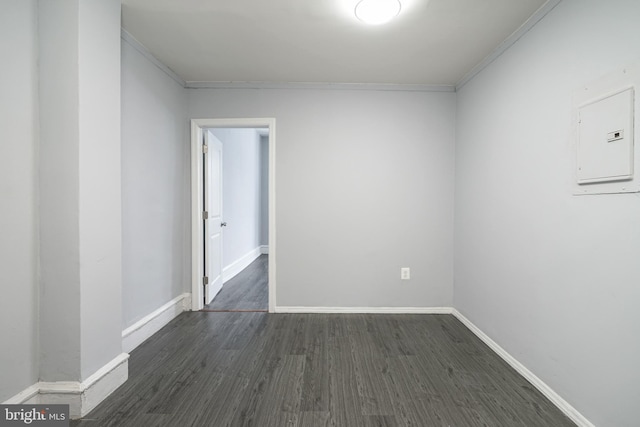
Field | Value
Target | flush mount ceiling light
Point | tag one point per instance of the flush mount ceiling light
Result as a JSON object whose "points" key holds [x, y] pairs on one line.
{"points": [[376, 12]]}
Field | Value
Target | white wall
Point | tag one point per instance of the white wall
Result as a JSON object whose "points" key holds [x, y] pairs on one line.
{"points": [[99, 184], [62, 242], [155, 187], [364, 186], [241, 188], [553, 278], [18, 183], [58, 201], [79, 187]]}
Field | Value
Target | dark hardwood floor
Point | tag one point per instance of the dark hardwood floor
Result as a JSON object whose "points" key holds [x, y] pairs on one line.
{"points": [[248, 290], [343, 370]]}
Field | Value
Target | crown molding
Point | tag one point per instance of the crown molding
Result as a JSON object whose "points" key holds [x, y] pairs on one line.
{"points": [[508, 42], [134, 43], [321, 86]]}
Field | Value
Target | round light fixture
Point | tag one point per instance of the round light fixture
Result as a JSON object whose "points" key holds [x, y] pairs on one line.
{"points": [[376, 12]]}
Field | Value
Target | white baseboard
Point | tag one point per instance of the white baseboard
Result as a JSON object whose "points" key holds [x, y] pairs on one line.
{"points": [[82, 397], [25, 396], [104, 382], [230, 271], [264, 249], [365, 310], [554, 397], [137, 333]]}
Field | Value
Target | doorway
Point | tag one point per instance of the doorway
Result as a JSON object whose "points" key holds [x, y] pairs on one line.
{"points": [[251, 267]]}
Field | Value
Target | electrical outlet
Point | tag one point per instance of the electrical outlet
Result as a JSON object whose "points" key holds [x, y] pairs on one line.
{"points": [[405, 273]]}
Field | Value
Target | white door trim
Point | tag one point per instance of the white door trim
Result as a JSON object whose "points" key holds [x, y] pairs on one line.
{"points": [[197, 229]]}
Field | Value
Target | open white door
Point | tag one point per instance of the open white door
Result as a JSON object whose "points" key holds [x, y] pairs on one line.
{"points": [[212, 167]]}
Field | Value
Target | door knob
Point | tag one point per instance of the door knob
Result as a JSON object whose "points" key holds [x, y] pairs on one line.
{"points": [[223, 224]]}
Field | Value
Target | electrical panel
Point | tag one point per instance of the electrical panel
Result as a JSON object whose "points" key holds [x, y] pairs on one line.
{"points": [[605, 139]]}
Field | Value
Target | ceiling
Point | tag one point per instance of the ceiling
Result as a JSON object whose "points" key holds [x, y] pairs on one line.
{"points": [[431, 42]]}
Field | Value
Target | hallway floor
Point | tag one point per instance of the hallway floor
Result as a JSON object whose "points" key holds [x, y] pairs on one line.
{"points": [[248, 290]]}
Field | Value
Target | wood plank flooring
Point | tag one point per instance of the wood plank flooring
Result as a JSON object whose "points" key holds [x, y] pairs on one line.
{"points": [[248, 290], [300, 370]]}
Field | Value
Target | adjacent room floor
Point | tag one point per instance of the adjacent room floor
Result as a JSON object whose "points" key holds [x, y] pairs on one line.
{"points": [[248, 290], [344, 370]]}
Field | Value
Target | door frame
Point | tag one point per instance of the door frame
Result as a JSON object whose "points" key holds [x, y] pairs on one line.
{"points": [[197, 208]]}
